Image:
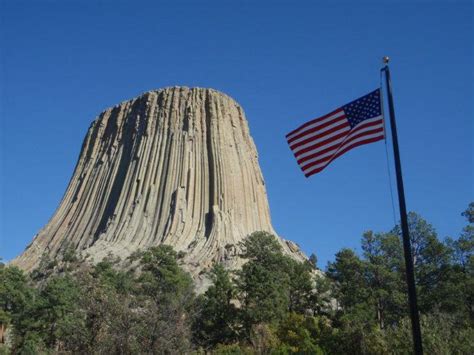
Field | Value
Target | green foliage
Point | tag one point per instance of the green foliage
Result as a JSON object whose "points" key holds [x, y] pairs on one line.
{"points": [[300, 286], [165, 298], [469, 213], [273, 305], [442, 334], [56, 308], [232, 349], [263, 338], [313, 261], [70, 255], [101, 309], [348, 272], [32, 344], [15, 292], [384, 276], [162, 278], [261, 247], [108, 276], [217, 314], [263, 283], [372, 293], [17, 300], [300, 334], [269, 287]]}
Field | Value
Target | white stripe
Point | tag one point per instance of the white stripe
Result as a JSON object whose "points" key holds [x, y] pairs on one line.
{"points": [[309, 135], [340, 140], [322, 139], [368, 128], [319, 157], [369, 136], [336, 142], [342, 147], [316, 124], [338, 147]]}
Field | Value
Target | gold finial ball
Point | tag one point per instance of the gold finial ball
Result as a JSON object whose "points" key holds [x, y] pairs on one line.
{"points": [[386, 60]]}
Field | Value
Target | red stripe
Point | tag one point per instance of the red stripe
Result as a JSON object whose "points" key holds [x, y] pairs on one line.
{"points": [[320, 144], [313, 121], [377, 130], [321, 152], [337, 136], [366, 141], [329, 131], [349, 139], [317, 128]]}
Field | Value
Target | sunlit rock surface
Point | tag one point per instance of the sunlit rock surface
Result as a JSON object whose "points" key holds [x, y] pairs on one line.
{"points": [[175, 166]]}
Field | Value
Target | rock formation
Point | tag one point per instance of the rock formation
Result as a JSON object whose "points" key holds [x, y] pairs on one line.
{"points": [[174, 166]]}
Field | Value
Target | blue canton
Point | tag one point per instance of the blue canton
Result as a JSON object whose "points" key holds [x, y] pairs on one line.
{"points": [[363, 108]]}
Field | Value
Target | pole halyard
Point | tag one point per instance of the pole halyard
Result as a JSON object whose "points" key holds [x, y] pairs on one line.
{"points": [[410, 273]]}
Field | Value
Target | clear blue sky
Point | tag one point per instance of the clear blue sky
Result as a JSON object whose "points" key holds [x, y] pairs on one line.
{"points": [[63, 62]]}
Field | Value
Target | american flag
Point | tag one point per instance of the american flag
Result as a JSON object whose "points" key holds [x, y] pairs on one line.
{"points": [[318, 142]]}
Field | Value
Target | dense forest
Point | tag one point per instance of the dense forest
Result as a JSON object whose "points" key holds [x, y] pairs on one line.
{"points": [[273, 305]]}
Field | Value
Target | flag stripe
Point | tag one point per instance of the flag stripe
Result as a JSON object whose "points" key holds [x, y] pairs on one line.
{"points": [[339, 143], [340, 124], [332, 138], [315, 123], [320, 143], [375, 133], [316, 127], [325, 137], [366, 141]]}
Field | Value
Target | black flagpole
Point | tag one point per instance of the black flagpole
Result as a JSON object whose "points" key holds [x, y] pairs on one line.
{"points": [[415, 320]]}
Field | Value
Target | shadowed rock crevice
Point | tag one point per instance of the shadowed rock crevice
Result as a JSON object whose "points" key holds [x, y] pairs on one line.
{"points": [[209, 217]]}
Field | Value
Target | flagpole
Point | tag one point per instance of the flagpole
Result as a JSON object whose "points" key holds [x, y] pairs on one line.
{"points": [[410, 275]]}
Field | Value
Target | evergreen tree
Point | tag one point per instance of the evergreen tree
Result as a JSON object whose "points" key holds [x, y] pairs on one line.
{"points": [[167, 296], [349, 273], [301, 286], [384, 277], [16, 301], [313, 261], [217, 321], [57, 309], [300, 335], [263, 283]]}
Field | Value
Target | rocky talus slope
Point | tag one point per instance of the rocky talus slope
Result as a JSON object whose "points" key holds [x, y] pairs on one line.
{"points": [[174, 166]]}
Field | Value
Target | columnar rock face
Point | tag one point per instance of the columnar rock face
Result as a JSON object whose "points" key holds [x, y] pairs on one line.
{"points": [[174, 166]]}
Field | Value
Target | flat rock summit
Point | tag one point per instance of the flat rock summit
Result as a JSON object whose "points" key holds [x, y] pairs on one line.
{"points": [[174, 166]]}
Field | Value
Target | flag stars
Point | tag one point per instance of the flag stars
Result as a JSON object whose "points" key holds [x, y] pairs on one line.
{"points": [[365, 108]]}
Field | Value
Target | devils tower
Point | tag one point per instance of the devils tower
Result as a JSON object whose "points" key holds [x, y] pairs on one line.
{"points": [[174, 166]]}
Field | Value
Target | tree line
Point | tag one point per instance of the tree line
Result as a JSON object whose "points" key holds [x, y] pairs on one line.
{"points": [[273, 305]]}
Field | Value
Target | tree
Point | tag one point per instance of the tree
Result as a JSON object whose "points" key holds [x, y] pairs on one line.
{"points": [[469, 213], [300, 334], [17, 298], [57, 310], [436, 277], [313, 261], [321, 298], [263, 283], [460, 283], [261, 247], [441, 335], [301, 286], [385, 279], [348, 272], [217, 322], [166, 297], [162, 277], [109, 312]]}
